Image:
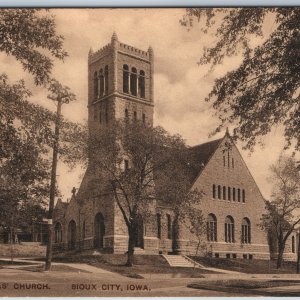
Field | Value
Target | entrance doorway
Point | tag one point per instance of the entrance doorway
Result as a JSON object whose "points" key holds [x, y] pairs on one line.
{"points": [[99, 231], [139, 233]]}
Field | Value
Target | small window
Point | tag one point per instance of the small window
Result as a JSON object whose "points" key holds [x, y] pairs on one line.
{"points": [[126, 165], [144, 119], [233, 194], [224, 192], [244, 196], [227, 255], [239, 195], [250, 256], [134, 116], [293, 244], [245, 256], [169, 224], [158, 222], [95, 113], [229, 193], [217, 255], [83, 230], [214, 191], [232, 162], [126, 115], [234, 255], [58, 232], [219, 192], [224, 161]]}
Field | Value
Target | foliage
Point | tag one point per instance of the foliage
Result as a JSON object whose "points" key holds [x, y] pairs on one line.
{"points": [[263, 91], [280, 217], [30, 36], [137, 159]]}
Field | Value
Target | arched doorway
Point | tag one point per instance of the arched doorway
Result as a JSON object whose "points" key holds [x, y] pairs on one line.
{"points": [[139, 233], [99, 231], [72, 235]]}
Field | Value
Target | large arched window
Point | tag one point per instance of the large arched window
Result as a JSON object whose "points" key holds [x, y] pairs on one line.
{"points": [[229, 230], [125, 79], [101, 78], [211, 227], [96, 91], [142, 84], [169, 226], [246, 231], [58, 233], [133, 82], [106, 79], [158, 221]]}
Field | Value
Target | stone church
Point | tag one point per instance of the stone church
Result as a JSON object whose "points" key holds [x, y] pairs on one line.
{"points": [[120, 85]]}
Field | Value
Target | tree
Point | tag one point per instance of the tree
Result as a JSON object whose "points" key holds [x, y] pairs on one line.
{"points": [[30, 36], [263, 91], [280, 218], [135, 158]]}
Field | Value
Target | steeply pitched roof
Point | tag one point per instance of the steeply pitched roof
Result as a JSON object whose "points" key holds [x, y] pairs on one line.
{"points": [[200, 155]]}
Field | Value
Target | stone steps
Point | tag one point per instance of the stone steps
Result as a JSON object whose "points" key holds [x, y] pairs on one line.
{"points": [[180, 261]]}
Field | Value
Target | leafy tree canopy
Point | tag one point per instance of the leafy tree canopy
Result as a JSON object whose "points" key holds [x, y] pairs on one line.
{"points": [[263, 91], [30, 36]]}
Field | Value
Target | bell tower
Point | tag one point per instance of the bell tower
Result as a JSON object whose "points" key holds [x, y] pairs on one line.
{"points": [[120, 84]]}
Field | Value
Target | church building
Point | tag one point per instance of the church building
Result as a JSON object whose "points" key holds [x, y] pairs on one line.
{"points": [[120, 85]]}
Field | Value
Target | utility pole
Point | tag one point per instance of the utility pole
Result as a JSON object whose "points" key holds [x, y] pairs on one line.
{"points": [[60, 94], [52, 185]]}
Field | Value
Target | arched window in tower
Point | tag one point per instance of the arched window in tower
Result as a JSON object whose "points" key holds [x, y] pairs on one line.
{"points": [[125, 79], [246, 231], [219, 192], [224, 192], [144, 119], [133, 82], [211, 227], [95, 85], [106, 79], [142, 84], [134, 116], [229, 230], [101, 77]]}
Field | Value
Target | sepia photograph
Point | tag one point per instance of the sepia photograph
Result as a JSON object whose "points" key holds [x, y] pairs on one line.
{"points": [[150, 152]]}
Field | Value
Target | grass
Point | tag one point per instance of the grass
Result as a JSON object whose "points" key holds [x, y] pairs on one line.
{"points": [[248, 266], [243, 286], [23, 250], [143, 264], [59, 268]]}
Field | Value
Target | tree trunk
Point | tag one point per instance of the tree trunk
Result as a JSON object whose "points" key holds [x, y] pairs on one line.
{"points": [[280, 256], [131, 244]]}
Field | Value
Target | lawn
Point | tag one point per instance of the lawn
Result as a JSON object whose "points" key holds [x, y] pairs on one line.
{"points": [[244, 286], [23, 250], [256, 266], [143, 264]]}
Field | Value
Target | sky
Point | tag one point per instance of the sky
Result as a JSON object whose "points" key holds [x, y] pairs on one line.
{"points": [[180, 84]]}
